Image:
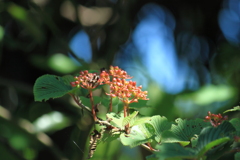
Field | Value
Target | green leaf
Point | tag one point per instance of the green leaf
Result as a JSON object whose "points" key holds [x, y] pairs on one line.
{"points": [[170, 137], [147, 130], [210, 137], [212, 144], [135, 138], [237, 108], [50, 86], [109, 136], [237, 156], [96, 100], [173, 151], [194, 141], [183, 131], [139, 104], [115, 101], [117, 119], [139, 120], [160, 124], [129, 118], [75, 91], [236, 124], [68, 79]]}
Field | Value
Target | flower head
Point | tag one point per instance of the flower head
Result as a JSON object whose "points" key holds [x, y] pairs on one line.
{"points": [[127, 91], [215, 119], [117, 72], [86, 80]]}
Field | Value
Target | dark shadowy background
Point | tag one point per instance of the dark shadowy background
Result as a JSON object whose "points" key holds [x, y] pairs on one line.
{"points": [[185, 53]]}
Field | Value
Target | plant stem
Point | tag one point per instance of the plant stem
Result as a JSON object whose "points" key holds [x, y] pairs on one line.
{"points": [[78, 102], [125, 111], [92, 105], [110, 105]]}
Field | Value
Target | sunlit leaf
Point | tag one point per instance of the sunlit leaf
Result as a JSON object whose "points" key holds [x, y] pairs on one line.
{"points": [[160, 124], [51, 122], [117, 119], [208, 94], [17, 12], [194, 141], [135, 138], [237, 108], [139, 120], [147, 130], [61, 63], [129, 118], [50, 86]]}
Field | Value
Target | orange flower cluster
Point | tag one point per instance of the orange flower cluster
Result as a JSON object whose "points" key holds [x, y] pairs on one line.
{"points": [[215, 119], [114, 72], [117, 72], [126, 91]]}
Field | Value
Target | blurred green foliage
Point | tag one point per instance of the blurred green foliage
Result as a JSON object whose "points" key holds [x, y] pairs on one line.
{"points": [[34, 41]]}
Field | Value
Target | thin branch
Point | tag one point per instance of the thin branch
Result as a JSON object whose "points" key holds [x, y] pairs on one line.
{"points": [[110, 104], [149, 148], [79, 103], [93, 107]]}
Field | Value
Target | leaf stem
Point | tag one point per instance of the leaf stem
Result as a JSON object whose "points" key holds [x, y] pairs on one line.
{"points": [[110, 105], [126, 113]]}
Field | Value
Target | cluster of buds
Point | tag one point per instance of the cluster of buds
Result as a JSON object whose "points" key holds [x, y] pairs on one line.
{"points": [[87, 80], [127, 91], [215, 119], [114, 72], [117, 72]]}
